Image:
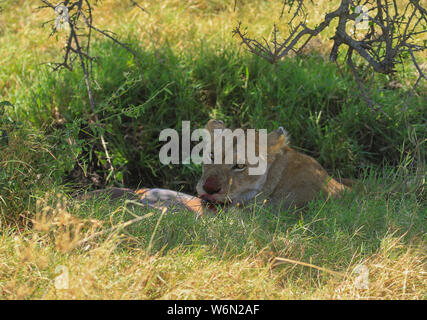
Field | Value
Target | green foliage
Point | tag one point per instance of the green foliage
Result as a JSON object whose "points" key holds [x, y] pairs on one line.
{"points": [[49, 133], [323, 112], [328, 233], [28, 169]]}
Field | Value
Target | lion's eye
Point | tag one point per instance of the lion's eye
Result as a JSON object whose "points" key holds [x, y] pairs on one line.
{"points": [[238, 167]]}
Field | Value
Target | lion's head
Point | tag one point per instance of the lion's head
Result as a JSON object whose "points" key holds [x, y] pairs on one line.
{"points": [[233, 181]]}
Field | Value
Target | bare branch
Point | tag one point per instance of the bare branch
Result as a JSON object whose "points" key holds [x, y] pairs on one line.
{"points": [[390, 35]]}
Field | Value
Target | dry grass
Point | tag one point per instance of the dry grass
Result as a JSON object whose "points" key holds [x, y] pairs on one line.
{"points": [[24, 42], [181, 24], [33, 265]]}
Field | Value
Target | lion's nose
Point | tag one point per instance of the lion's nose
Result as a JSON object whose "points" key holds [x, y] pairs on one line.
{"points": [[212, 185]]}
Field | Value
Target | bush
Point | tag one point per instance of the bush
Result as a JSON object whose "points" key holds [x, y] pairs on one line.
{"points": [[322, 112]]}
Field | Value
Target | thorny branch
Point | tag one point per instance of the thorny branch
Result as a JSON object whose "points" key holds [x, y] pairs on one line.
{"points": [[389, 35], [77, 18]]}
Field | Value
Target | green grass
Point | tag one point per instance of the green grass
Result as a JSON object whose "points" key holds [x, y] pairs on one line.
{"points": [[324, 115], [230, 255], [327, 232]]}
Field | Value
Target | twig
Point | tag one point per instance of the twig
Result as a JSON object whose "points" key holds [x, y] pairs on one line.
{"points": [[365, 96], [136, 4], [305, 264], [390, 36]]}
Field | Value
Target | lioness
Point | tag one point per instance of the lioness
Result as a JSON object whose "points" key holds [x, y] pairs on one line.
{"points": [[291, 178]]}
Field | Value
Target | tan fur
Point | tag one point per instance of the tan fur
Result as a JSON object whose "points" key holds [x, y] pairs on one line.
{"points": [[292, 179]]}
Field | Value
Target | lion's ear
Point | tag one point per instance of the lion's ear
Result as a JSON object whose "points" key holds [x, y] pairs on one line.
{"points": [[276, 140], [214, 124]]}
